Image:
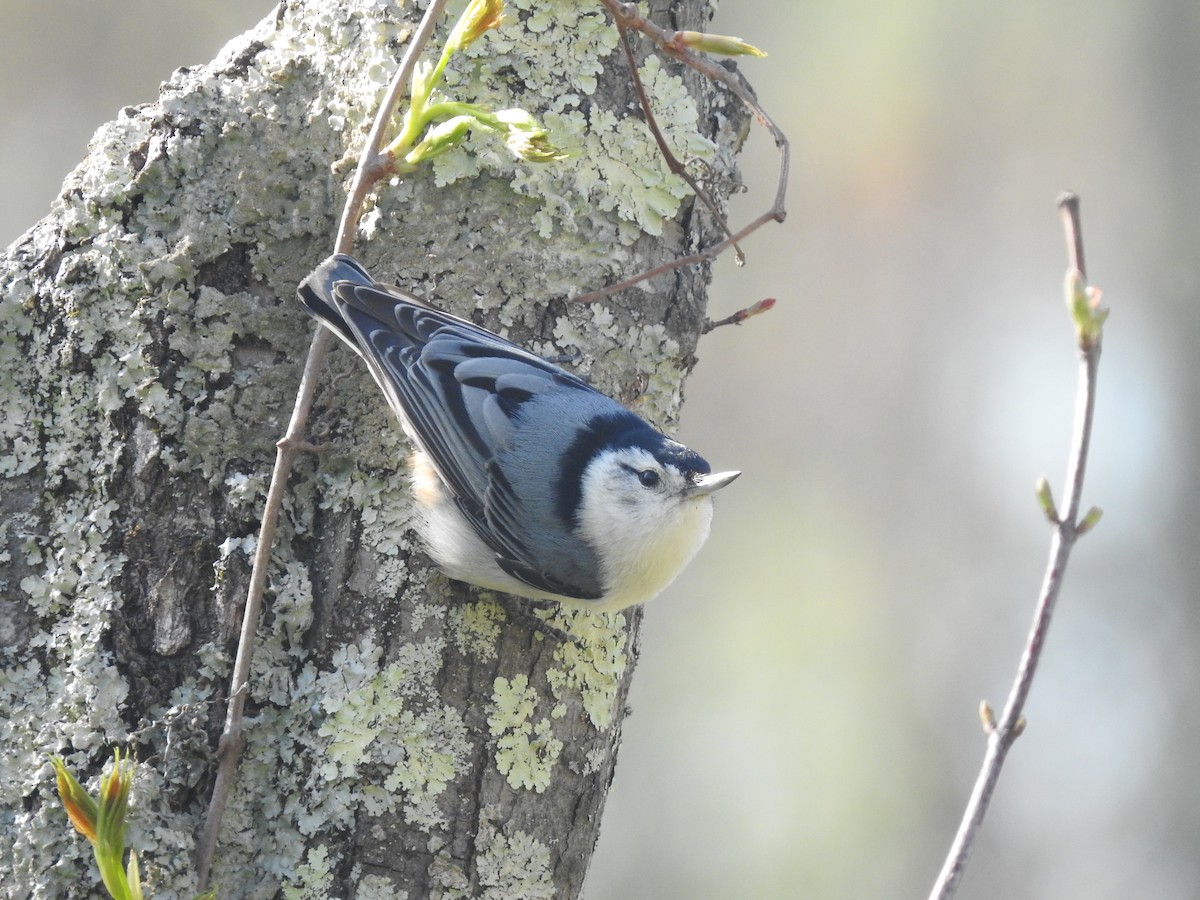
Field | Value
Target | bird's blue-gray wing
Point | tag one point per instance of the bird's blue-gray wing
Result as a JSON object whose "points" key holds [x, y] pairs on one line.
{"points": [[460, 389]]}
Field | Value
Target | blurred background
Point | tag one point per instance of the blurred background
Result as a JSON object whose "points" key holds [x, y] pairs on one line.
{"points": [[804, 715]]}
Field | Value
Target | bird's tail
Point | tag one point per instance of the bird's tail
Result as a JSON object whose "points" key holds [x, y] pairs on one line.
{"points": [[315, 292]]}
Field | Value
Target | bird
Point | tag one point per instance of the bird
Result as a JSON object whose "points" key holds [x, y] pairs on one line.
{"points": [[527, 479]]}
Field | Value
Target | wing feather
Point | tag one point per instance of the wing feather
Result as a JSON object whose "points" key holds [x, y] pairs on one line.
{"points": [[458, 389]]}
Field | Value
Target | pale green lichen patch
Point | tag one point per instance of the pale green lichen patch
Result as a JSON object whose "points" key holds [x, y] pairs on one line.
{"points": [[367, 472], [374, 751], [646, 351], [526, 749], [660, 380], [386, 516], [368, 700], [591, 667], [614, 165], [447, 879], [312, 879], [475, 627], [513, 865], [376, 887], [370, 723]]}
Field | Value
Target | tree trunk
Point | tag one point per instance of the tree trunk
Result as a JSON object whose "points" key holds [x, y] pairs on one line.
{"points": [[405, 733]]}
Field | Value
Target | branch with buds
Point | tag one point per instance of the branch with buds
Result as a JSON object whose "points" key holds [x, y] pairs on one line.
{"points": [[749, 312], [371, 167], [1087, 315], [681, 45], [429, 129]]}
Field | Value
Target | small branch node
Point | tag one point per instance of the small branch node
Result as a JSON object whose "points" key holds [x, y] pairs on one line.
{"points": [[293, 444]]}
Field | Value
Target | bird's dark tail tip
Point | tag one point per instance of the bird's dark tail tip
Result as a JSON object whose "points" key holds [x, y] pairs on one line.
{"points": [[315, 293]]}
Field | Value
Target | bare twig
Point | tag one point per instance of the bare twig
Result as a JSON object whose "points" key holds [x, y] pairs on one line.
{"points": [[749, 312], [673, 163], [626, 16], [1004, 730], [370, 168], [1068, 205]]}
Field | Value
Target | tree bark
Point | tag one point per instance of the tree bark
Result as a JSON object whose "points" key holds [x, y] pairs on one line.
{"points": [[406, 735]]}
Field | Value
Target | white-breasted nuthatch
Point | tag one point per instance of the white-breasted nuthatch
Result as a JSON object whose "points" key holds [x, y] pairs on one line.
{"points": [[527, 479]]}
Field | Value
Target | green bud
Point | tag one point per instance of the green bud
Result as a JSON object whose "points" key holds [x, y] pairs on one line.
{"points": [[533, 146], [716, 43], [82, 810], [440, 138], [526, 138], [110, 828], [102, 822], [1046, 499], [987, 718], [1083, 302], [479, 16], [1090, 520]]}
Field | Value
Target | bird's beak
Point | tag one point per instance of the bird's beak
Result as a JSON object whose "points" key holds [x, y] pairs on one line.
{"points": [[707, 484]]}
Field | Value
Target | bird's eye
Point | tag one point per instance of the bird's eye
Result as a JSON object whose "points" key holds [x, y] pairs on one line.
{"points": [[649, 478]]}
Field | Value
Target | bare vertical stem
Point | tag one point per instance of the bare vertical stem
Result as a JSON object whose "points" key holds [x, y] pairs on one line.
{"points": [[626, 16], [1002, 732], [370, 167], [673, 164], [1068, 205]]}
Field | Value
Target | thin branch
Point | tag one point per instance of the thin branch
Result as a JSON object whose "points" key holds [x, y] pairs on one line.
{"points": [[1068, 205], [673, 163], [371, 166], [708, 253], [1002, 732], [626, 16], [370, 169]]}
